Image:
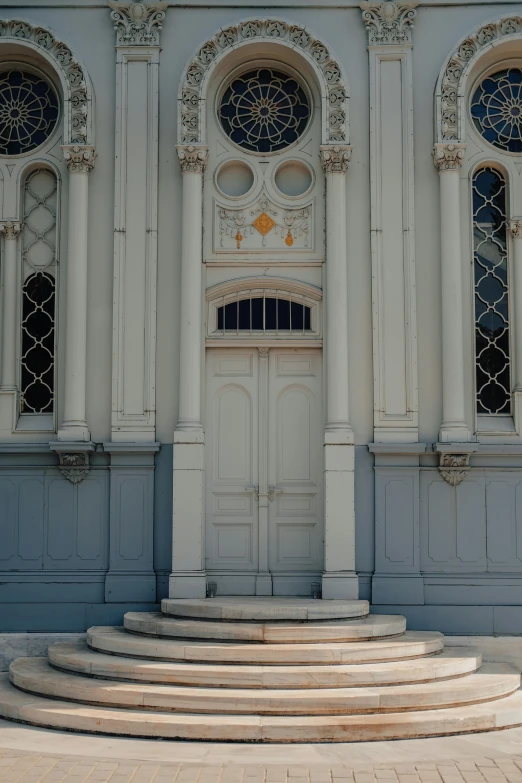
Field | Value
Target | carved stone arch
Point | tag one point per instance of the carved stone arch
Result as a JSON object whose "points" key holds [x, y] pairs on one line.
{"points": [[328, 72], [78, 122], [450, 94]]}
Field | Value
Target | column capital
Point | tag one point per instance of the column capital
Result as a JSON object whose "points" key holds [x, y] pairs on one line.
{"points": [[389, 21], [79, 157], [335, 158], [192, 158], [515, 228], [10, 229], [448, 157], [138, 24]]}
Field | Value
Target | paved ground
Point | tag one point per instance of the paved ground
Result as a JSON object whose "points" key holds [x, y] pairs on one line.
{"points": [[18, 767]]}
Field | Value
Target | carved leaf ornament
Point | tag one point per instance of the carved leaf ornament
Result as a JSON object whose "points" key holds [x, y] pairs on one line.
{"points": [[138, 24], [389, 22], [448, 90], [268, 29], [77, 98]]}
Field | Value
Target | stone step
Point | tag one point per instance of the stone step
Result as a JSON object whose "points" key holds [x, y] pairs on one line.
{"points": [[78, 657], [283, 632], [52, 713], [248, 608], [492, 681], [412, 644]]}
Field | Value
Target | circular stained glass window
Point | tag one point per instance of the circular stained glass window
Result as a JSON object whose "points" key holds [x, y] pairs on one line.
{"points": [[496, 109], [29, 111], [264, 110]]}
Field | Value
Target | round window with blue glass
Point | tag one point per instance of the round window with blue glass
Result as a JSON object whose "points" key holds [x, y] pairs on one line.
{"points": [[496, 109], [264, 110], [29, 111]]}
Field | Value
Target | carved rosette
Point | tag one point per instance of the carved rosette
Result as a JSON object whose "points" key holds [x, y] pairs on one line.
{"points": [[192, 158], [10, 229], [515, 227], [448, 157], [77, 97], [454, 468], [389, 21], [449, 104], [261, 30], [79, 158], [335, 159], [137, 24], [74, 467]]}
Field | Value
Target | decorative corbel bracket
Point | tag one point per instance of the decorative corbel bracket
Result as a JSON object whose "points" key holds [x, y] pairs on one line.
{"points": [[73, 459], [454, 461]]}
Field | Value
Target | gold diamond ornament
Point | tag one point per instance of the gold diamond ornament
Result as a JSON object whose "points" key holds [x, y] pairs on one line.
{"points": [[264, 223]]}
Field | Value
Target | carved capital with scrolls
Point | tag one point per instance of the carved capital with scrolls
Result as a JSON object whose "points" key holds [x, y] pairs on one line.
{"points": [[192, 158], [10, 229], [389, 21], [448, 157], [79, 157], [138, 24], [454, 468], [335, 159], [75, 466], [515, 228]]}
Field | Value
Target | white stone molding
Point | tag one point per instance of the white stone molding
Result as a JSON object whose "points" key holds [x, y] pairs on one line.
{"points": [[454, 461], [448, 160], [448, 157], [394, 301], [331, 80], [389, 21], [339, 579], [192, 158], [78, 125], [135, 244], [450, 93], [263, 576], [138, 24], [73, 460], [79, 160], [11, 231], [515, 229]]}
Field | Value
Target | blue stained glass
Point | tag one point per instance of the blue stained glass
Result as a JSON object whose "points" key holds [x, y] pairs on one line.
{"points": [[264, 110], [29, 111], [496, 109]]}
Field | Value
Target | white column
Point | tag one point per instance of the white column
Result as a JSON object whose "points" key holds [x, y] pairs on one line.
{"points": [[339, 578], [188, 578], [448, 160], [8, 378], [80, 161], [515, 227]]}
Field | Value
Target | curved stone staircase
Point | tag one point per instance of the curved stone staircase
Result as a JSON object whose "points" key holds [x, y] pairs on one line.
{"points": [[262, 670]]}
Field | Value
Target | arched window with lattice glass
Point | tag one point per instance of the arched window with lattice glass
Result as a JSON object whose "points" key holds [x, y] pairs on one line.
{"points": [[38, 310], [491, 286]]}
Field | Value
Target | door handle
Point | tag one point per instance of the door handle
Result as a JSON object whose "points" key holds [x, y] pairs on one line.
{"points": [[254, 489], [274, 490]]}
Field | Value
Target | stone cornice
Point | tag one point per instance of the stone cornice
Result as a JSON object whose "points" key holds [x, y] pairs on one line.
{"points": [[389, 21], [448, 157], [138, 24], [192, 158], [10, 229], [79, 157], [335, 159]]}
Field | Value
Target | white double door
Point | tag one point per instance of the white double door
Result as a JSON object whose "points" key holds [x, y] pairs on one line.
{"points": [[264, 470]]}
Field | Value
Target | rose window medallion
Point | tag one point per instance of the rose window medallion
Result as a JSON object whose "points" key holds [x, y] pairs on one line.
{"points": [[264, 110], [496, 109], [29, 111]]}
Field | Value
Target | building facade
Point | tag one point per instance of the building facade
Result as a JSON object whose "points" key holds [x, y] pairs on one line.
{"points": [[261, 307]]}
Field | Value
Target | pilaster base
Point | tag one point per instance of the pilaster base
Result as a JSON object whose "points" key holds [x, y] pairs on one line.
{"points": [[73, 433], [188, 584], [340, 584], [454, 432], [8, 411]]}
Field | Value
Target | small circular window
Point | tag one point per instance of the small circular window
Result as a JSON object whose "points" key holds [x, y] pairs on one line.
{"points": [[29, 110], [496, 109], [264, 110]]}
